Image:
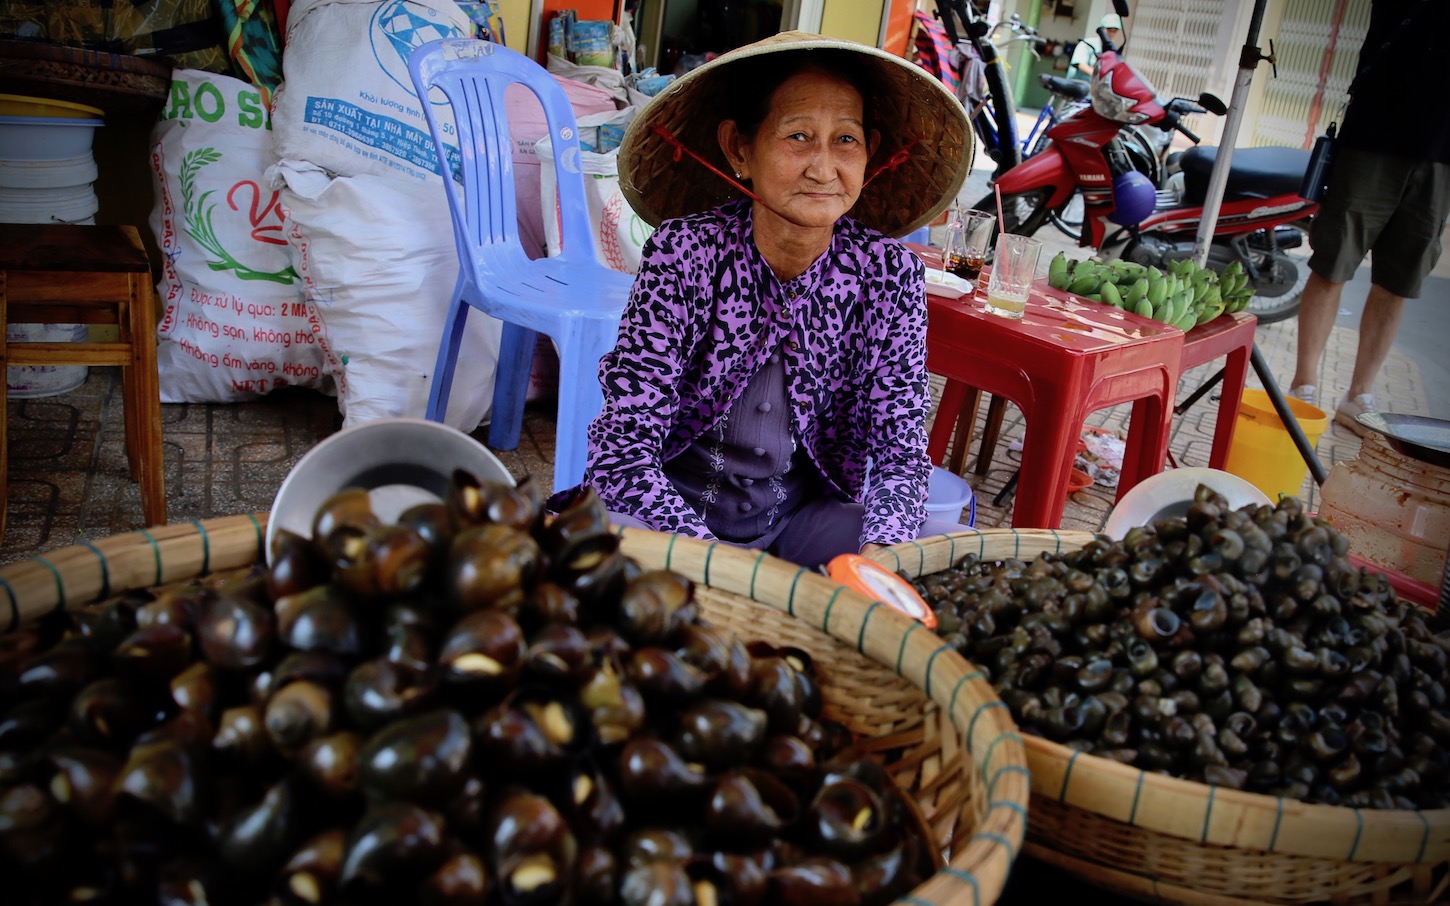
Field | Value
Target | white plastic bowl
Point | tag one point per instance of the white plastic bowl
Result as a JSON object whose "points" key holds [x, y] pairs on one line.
{"points": [[1170, 493], [45, 138]]}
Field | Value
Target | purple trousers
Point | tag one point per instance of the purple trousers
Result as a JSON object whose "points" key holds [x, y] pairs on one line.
{"points": [[817, 532]]}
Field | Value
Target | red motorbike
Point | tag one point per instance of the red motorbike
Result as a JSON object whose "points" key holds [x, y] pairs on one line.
{"points": [[1262, 223]]}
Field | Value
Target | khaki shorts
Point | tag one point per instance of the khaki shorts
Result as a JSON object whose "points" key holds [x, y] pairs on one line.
{"points": [[1392, 205]]}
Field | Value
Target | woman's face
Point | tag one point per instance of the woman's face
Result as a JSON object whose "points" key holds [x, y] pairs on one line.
{"points": [[807, 160]]}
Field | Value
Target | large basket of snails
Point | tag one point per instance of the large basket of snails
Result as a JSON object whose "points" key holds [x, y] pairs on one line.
{"points": [[474, 705], [1219, 708]]}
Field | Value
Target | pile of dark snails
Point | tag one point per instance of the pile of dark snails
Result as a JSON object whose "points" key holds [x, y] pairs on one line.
{"points": [[471, 704], [1240, 648]]}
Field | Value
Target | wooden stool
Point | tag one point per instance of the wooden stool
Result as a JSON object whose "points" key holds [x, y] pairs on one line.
{"points": [[966, 422], [54, 273]]}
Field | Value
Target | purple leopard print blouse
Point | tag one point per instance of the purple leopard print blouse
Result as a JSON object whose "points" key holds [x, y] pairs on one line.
{"points": [[705, 313]]}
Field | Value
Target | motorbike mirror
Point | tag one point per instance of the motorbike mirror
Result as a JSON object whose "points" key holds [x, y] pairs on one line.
{"points": [[1120, 7], [978, 28], [1212, 104]]}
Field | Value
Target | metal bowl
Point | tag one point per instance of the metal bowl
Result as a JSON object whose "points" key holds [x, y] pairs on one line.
{"points": [[400, 461], [1170, 493], [1416, 436]]}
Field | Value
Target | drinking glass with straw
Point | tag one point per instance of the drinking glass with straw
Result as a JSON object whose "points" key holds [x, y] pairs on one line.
{"points": [[1014, 267]]}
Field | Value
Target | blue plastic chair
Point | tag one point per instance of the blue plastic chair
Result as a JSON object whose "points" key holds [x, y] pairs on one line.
{"points": [[570, 297]]}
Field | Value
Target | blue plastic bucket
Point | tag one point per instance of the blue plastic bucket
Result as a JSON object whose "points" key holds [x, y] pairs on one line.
{"points": [[947, 494]]}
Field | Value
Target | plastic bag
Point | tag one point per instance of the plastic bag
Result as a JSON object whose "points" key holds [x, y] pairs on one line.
{"points": [[29, 21], [619, 233], [602, 77], [186, 33]]}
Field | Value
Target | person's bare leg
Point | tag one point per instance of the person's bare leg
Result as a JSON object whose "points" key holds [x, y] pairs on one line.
{"points": [[1317, 310], [1377, 329]]}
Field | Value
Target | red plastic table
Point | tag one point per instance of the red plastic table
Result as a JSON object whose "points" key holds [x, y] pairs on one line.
{"points": [[1229, 336], [1063, 360]]}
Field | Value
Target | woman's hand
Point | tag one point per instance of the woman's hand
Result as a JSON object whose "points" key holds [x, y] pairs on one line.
{"points": [[866, 549]]}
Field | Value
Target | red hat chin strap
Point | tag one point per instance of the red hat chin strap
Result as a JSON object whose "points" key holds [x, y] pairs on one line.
{"points": [[898, 157], [680, 149]]}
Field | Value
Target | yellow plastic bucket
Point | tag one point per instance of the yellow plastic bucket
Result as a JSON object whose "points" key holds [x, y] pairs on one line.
{"points": [[1263, 452]]}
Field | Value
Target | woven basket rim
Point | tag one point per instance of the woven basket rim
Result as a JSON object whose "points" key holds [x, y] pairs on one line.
{"points": [[931, 129], [1174, 806], [1152, 888], [85, 573], [912, 652], [80, 56]]}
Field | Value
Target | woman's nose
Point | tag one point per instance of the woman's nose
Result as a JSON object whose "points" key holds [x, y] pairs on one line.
{"points": [[821, 165]]}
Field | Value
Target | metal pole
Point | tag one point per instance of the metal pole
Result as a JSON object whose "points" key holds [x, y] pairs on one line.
{"points": [[1286, 415], [1249, 58]]}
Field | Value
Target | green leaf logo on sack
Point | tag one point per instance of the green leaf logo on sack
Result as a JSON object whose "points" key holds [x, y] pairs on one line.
{"points": [[401, 27], [200, 208]]}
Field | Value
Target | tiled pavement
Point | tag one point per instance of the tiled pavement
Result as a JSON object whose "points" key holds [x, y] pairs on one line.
{"points": [[68, 477]]}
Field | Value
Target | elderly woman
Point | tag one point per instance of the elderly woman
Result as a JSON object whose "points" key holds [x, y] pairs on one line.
{"points": [[769, 384]]}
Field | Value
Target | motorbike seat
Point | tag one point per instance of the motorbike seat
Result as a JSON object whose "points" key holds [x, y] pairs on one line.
{"points": [[1072, 89], [1254, 173]]}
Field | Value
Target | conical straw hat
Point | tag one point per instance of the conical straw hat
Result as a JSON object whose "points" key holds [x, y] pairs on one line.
{"points": [[919, 120]]}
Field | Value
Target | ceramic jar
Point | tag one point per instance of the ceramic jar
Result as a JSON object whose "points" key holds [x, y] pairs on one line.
{"points": [[1394, 509]]}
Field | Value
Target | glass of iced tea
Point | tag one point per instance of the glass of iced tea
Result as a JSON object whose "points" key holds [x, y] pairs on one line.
{"points": [[1014, 267], [968, 237]]}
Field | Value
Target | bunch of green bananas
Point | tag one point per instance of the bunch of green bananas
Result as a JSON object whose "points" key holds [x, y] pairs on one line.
{"points": [[1185, 296]]}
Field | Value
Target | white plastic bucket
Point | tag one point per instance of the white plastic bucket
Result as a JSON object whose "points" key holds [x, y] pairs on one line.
{"points": [[30, 381], [44, 206], [947, 494], [65, 204], [48, 174]]}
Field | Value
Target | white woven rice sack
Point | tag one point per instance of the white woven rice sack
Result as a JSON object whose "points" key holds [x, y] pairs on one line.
{"points": [[378, 263], [234, 323], [347, 102]]}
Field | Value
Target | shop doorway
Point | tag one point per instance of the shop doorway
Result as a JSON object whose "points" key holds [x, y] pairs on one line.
{"points": [[675, 36]]}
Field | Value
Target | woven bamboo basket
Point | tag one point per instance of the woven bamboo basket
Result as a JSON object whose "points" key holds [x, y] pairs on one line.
{"points": [[1161, 839], [920, 708], [117, 83]]}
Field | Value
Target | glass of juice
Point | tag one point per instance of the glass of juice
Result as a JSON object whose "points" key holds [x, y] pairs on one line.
{"points": [[1013, 269], [967, 240]]}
